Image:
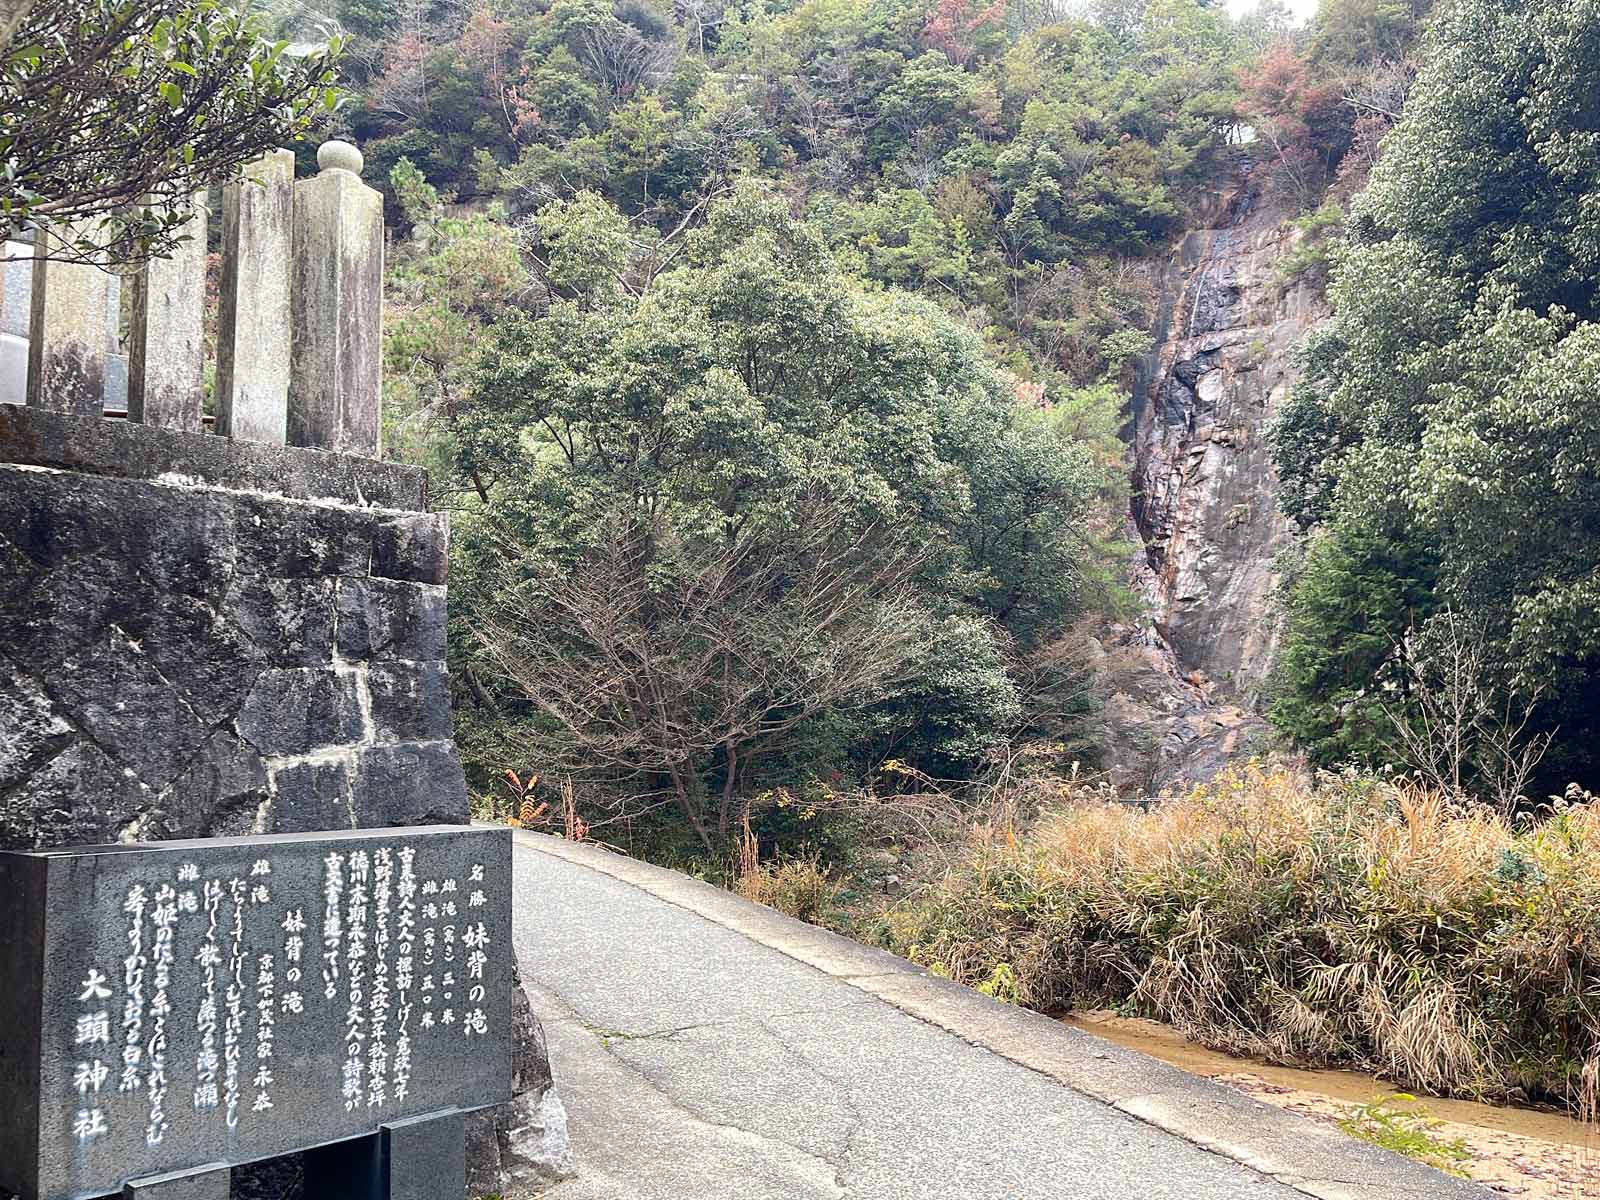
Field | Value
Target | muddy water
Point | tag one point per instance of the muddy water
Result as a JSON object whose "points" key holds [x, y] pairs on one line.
{"points": [[1522, 1152], [1170, 1046]]}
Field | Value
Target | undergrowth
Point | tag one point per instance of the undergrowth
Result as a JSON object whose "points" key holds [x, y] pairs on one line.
{"points": [[1412, 1133], [1349, 922]]}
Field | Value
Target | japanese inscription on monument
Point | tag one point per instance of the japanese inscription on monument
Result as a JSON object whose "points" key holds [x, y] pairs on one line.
{"points": [[220, 1001]]}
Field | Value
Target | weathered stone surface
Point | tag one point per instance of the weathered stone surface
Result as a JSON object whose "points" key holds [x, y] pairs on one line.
{"points": [[17, 573], [536, 1149], [288, 621], [414, 548], [296, 711], [253, 331], [211, 660], [337, 381], [181, 639], [79, 797], [114, 696], [219, 793], [1204, 489], [414, 783], [302, 541], [1183, 688], [311, 795], [523, 1147], [167, 352], [382, 619], [45, 439], [36, 732], [410, 701], [69, 332]]}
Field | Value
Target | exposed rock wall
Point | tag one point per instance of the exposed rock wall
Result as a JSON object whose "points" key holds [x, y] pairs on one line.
{"points": [[1186, 683]]}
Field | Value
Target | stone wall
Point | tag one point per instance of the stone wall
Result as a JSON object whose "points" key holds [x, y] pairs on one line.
{"points": [[204, 637], [194, 652]]}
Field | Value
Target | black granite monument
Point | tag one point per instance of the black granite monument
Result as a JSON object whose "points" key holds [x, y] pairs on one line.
{"points": [[172, 1009]]}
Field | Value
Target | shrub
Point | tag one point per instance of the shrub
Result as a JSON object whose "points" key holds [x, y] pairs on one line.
{"points": [[799, 887], [1348, 921]]}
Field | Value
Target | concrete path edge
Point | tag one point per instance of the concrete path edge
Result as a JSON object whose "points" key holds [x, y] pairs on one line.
{"points": [[1314, 1159]]}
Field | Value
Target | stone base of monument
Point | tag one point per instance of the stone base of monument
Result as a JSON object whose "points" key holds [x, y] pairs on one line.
{"points": [[421, 1158], [200, 1183]]}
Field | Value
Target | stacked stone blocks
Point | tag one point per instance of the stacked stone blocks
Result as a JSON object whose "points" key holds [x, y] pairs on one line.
{"points": [[188, 658], [300, 325]]}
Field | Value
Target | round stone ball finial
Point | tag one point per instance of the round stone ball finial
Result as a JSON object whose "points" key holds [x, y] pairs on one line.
{"points": [[340, 156]]}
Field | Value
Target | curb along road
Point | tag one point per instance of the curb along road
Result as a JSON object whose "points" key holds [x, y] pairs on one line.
{"points": [[1314, 1159]]}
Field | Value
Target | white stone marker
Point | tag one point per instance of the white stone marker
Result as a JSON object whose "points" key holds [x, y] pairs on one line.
{"points": [[253, 332], [336, 388], [69, 327], [167, 354]]}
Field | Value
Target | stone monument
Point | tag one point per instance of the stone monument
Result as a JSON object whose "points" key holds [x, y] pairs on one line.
{"points": [[209, 636], [176, 1009]]}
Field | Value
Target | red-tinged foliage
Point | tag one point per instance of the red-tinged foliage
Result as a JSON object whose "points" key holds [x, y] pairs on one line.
{"points": [[1303, 119], [953, 26], [401, 92], [521, 115]]}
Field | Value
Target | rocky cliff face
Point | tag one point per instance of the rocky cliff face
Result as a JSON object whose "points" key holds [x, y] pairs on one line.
{"points": [[1185, 682]]}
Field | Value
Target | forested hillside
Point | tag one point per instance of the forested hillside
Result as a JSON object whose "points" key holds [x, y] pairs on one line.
{"points": [[775, 362]]}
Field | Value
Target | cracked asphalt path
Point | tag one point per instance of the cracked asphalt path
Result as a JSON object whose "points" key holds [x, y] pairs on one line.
{"points": [[697, 1063]]}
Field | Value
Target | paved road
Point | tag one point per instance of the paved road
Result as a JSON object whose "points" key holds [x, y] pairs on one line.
{"points": [[709, 1049]]}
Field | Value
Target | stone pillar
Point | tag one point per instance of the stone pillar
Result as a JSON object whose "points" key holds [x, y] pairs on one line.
{"points": [[253, 332], [167, 352], [16, 313], [69, 327], [335, 393]]}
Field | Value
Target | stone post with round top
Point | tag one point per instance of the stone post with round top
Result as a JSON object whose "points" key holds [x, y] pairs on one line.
{"points": [[336, 374]]}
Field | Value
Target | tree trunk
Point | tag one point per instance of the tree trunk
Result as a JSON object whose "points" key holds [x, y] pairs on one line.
{"points": [[727, 789], [691, 809]]}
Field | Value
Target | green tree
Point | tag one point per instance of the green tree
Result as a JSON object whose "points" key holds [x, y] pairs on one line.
{"points": [[107, 103], [757, 492], [1442, 419]]}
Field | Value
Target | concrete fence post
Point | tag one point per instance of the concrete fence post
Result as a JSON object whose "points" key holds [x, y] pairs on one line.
{"points": [[167, 353], [70, 327], [335, 390], [253, 333]]}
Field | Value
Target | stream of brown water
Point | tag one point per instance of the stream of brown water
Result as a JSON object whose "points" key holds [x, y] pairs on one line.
{"points": [[1532, 1153]]}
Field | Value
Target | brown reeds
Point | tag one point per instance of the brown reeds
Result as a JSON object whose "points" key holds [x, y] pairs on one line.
{"points": [[1345, 921]]}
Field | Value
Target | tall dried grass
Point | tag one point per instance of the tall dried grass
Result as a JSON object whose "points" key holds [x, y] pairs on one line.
{"points": [[1348, 921]]}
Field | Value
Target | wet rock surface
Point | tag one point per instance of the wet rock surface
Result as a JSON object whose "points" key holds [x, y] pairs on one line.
{"points": [[1184, 686]]}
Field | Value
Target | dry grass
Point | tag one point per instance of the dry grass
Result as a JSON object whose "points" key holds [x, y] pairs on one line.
{"points": [[1343, 922], [800, 887]]}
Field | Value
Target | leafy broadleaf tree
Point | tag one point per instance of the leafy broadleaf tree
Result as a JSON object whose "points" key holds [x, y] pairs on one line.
{"points": [[1444, 437], [106, 103], [747, 499]]}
